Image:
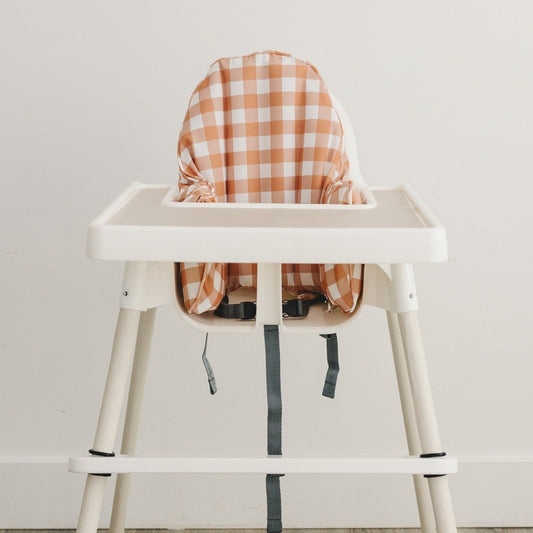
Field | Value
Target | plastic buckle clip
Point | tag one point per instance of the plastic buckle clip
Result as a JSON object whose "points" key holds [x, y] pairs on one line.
{"points": [[295, 308], [247, 310]]}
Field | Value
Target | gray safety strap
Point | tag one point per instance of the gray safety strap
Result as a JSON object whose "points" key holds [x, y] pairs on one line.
{"points": [[332, 349], [273, 491], [209, 370], [273, 382]]}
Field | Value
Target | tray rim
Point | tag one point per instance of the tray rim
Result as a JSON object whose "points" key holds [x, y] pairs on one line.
{"points": [[168, 201]]}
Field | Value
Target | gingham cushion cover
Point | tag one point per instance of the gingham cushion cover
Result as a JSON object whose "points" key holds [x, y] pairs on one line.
{"points": [[262, 128]]}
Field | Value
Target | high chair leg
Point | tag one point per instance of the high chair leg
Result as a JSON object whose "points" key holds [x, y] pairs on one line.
{"points": [[423, 497], [117, 378], [426, 419], [133, 415]]}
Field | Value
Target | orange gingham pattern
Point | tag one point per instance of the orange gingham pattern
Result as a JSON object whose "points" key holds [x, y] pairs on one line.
{"points": [[262, 128]]}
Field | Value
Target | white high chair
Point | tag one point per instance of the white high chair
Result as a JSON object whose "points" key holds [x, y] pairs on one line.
{"points": [[150, 233]]}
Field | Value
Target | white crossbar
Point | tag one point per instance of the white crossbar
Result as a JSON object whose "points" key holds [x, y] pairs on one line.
{"points": [[263, 465]]}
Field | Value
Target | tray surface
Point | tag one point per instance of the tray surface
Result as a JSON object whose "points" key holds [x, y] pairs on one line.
{"points": [[144, 208], [136, 226]]}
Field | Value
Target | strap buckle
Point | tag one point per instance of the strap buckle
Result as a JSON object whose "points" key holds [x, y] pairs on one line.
{"points": [[295, 308], [246, 310]]}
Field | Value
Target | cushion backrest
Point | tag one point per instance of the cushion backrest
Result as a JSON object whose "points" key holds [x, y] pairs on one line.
{"points": [[263, 129]]}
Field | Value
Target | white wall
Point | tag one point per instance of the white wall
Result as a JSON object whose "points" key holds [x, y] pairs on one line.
{"points": [[92, 97]]}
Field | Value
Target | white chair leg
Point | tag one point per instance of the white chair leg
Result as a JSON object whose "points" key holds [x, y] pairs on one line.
{"points": [[117, 378], [133, 415], [426, 419], [423, 497]]}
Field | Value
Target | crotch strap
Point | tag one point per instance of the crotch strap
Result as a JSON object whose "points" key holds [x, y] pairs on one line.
{"points": [[273, 384]]}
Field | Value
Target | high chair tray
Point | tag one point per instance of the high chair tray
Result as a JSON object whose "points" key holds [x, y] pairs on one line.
{"points": [[138, 226]]}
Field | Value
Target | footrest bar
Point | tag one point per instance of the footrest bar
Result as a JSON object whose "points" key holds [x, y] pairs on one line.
{"points": [[123, 464]]}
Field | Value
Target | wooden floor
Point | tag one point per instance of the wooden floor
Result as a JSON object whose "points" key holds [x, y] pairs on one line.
{"points": [[366, 530]]}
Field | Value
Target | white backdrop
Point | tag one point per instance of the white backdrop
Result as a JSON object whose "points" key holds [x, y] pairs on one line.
{"points": [[92, 97]]}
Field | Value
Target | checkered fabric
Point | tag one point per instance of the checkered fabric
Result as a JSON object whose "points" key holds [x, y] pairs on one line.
{"points": [[262, 128]]}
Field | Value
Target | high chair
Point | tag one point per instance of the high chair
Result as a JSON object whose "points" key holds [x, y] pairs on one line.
{"points": [[161, 232]]}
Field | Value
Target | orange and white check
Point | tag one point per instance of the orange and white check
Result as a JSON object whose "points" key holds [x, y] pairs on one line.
{"points": [[262, 129]]}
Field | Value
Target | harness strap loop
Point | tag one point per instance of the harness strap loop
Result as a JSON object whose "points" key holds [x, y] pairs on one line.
{"points": [[332, 349]]}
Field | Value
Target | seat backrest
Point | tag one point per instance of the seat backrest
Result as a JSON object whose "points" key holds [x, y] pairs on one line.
{"points": [[263, 128]]}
